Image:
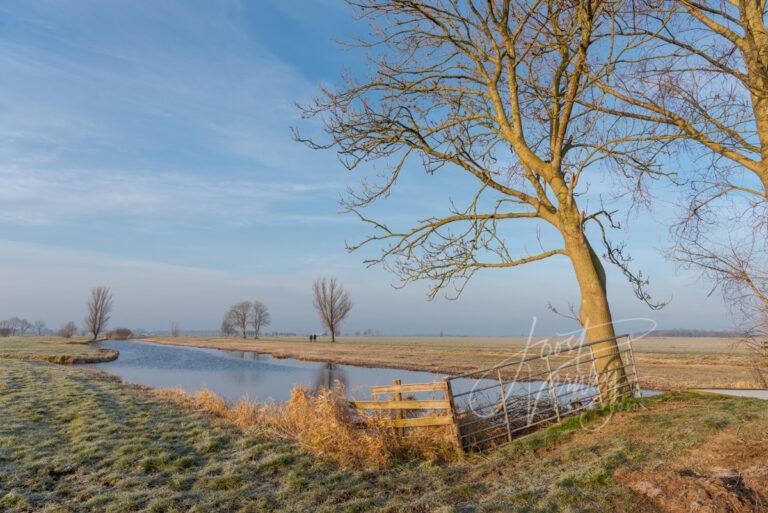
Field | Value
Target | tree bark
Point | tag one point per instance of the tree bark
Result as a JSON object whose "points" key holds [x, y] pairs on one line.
{"points": [[594, 311], [755, 50]]}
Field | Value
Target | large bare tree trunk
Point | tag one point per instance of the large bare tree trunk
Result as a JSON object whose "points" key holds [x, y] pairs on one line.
{"points": [[594, 311]]}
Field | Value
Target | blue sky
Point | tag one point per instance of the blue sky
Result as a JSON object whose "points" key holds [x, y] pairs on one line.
{"points": [[147, 146]]}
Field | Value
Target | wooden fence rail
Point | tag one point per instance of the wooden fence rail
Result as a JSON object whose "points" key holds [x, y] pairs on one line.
{"points": [[397, 405]]}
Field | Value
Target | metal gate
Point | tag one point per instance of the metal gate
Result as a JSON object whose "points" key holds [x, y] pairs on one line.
{"points": [[548, 382]]}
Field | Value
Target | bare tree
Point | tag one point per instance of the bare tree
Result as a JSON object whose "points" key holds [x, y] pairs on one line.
{"points": [[175, 329], [14, 325], [332, 303], [259, 317], [501, 91], [227, 328], [24, 327], [40, 327], [68, 330], [756, 340], [701, 77], [239, 315], [99, 311]]}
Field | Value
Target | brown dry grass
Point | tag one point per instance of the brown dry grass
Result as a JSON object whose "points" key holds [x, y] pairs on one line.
{"points": [[325, 425]]}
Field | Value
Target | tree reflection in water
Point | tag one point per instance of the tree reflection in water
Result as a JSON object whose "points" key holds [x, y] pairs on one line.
{"points": [[330, 375]]}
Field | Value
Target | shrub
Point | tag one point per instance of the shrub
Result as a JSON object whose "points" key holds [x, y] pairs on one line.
{"points": [[68, 330], [120, 334]]}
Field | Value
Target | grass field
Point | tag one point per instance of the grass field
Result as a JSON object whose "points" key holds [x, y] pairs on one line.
{"points": [[663, 363], [54, 349], [76, 440]]}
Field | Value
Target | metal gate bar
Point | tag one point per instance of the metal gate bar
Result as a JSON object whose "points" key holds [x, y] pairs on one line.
{"points": [[495, 411]]}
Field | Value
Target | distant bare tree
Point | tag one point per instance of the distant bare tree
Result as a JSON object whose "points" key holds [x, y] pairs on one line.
{"points": [[240, 316], [39, 327], [99, 310], [259, 317], [24, 327], [332, 303], [68, 330], [227, 328], [14, 325], [175, 329]]}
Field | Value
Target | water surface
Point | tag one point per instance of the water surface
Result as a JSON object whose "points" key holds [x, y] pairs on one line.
{"points": [[756, 393], [235, 374]]}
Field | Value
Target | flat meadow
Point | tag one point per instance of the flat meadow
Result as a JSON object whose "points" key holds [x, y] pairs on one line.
{"points": [[78, 440]]}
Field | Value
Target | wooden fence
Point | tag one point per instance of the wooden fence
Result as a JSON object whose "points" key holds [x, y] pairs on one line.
{"points": [[407, 412]]}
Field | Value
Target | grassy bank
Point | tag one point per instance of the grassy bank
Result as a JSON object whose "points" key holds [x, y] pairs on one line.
{"points": [[663, 363], [76, 440], [54, 349]]}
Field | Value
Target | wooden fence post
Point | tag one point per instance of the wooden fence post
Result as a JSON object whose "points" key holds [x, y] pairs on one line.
{"points": [[454, 421], [398, 396]]}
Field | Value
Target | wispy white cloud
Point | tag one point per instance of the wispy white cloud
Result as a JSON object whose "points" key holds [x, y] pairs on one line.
{"points": [[44, 196]]}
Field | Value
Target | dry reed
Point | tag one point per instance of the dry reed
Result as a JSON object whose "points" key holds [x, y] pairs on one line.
{"points": [[324, 424]]}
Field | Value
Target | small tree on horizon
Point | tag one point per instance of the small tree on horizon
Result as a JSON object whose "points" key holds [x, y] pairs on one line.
{"points": [[24, 327], [259, 317], [99, 311], [332, 303], [39, 327], [227, 329], [68, 330], [175, 329], [239, 315], [14, 324]]}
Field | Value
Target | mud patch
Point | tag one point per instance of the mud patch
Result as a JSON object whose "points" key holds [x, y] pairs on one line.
{"points": [[720, 490], [728, 474]]}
